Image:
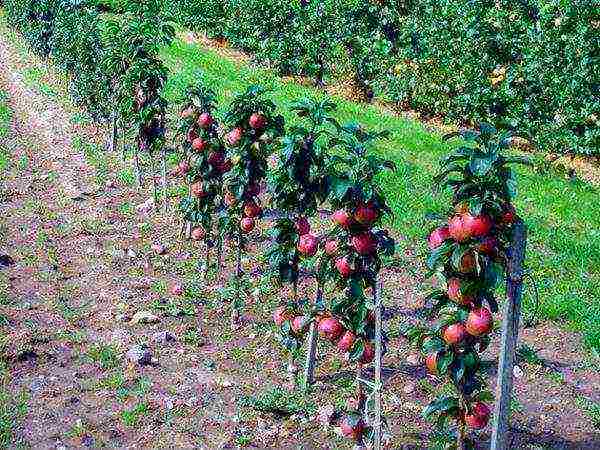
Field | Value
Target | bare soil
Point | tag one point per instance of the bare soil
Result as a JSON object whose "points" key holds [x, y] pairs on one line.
{"points": [[84, 267]]}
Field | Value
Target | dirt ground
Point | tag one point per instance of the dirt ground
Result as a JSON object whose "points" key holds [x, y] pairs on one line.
{"points": [[84, 271]]}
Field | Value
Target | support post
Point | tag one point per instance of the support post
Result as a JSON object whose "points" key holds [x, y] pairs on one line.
{"points": [[510, 333], [378, 362], [311, 349]]}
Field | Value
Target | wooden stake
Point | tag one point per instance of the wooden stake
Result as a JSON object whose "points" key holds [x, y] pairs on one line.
{"points": [[311, 348], [510, 332], [378, 362]]}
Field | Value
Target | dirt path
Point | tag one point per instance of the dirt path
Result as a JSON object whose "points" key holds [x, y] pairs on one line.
{"points": [[84, 269]]}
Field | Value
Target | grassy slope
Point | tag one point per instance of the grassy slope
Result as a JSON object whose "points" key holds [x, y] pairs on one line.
{"points": [[564, 217]]}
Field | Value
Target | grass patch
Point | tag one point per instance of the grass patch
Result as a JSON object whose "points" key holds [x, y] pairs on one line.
{"points": [[5, 117], [563, 216]]}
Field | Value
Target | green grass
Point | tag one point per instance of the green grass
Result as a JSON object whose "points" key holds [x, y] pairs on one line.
{"points": [[5, 116], [563, 216]]}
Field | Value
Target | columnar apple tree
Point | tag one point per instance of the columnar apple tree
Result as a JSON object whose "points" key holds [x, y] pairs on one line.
{"points": [[353, 255], [203, 165], [468, 254], [253, 127], [299, 185]]}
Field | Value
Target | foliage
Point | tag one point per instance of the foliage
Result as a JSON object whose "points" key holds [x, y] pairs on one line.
{"points": [[526, 65]]}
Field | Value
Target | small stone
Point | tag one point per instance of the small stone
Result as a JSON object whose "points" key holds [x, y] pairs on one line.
{"points": [[413, 359], [163, 337], [122, 318], [139, 354], [144, 317], [517, 372], [37, 384], [148, 205], [159, 249], [88, 441], [325, 415], [409, 388], [131, 253]]}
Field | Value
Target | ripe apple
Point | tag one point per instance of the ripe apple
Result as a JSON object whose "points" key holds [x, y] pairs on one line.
{"points": [[477, 226], [366, 214], [438, 236], [331, 247], [253, 189], [198, 233], [229, 199], [234, 137], [247, 224], [467, 263], [364, 243], [205, 120], [199, 145], [454, 285], [479, 322], [302, 225], [352, 427], [431, 363], [343, 267], [226, 166], [280, 315], [183, 167], [257, 121], [192, 135], [330, 328], [342, 218], [251, 209], [346, 342], [368, 353], [509, 215], [216, 159], [479, 416], [455, 333], [197, 190], [308, 244], [187, 112], [299, 324]]}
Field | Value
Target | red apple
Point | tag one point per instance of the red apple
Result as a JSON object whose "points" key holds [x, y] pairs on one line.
{"points": [[455, 333], [454, 285], [331, 247], [216, 159], [346, 342], [330, 328], [479, 416], [368, 353], [299, 324], [431, 363], [198, 233], [509, 215], [183, 168], [302, 225], [352, 427], [280, 315], [226, 166], [187, 112], [308, 244], [477, 226], [479, 322], [366, 214], [192, 135], [342, 218], [205, 121], [467, 263], [247, 224], [251, 209], [199, 145], [253, 190], [234, 137], [438, 236], [457, 229], [257, 121], [364, 243], [197, 190], [343, 267]]}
